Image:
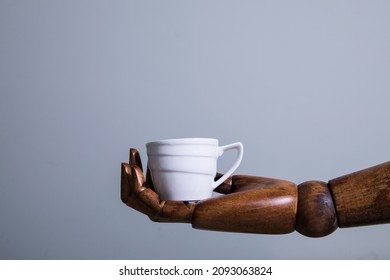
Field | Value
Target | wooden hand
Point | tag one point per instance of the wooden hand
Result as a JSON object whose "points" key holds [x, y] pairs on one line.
{"points": [[262, 205]]}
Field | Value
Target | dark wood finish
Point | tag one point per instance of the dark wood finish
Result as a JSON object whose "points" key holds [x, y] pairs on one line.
{"points": [[316, 215], [225, 187], [252, 204], [256, 205], [136, 194], [363, 197], [135, 159]]}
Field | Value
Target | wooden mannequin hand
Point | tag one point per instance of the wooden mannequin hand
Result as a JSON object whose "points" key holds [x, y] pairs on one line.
{"points": [[138, 193], [250, 204]]}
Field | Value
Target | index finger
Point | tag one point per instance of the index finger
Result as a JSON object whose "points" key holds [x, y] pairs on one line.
{"points": [[135, 158]]}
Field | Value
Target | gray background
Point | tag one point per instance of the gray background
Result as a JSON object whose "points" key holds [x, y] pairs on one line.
{"points": [[304, 85]]}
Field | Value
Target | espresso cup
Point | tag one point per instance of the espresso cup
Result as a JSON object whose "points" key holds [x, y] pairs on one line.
{"points": [[184, 169]]}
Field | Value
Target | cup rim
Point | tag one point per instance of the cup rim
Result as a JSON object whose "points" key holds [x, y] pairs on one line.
{"points": [[184, 141]]}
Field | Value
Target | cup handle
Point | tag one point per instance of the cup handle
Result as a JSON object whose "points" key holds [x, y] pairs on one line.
{"points": [[240, 151]]}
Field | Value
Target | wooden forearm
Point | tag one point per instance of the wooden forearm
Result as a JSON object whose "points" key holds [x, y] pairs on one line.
{"points": [[363, 198]]}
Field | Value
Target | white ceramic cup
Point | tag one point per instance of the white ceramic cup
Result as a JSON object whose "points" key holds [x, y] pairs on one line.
{"points": [[184, 169]]}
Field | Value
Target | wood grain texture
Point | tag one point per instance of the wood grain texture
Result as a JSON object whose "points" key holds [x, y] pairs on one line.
{"points": [[138, 193], [363, 197], [316, 214], [257, 205]]}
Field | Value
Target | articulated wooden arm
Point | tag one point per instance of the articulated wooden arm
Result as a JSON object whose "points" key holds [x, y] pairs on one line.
{"points": [[269, 206]]}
